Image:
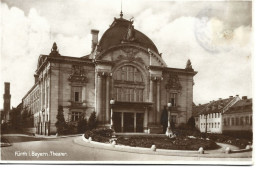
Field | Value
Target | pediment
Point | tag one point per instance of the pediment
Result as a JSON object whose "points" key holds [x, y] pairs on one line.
{"points": [[131, 53]]}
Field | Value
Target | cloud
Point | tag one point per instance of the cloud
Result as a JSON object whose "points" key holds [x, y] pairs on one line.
{"points": [[24, 38], [220, 74], [31, 30]]}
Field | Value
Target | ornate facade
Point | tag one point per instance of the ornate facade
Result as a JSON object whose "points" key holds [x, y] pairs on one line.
{"points": [[124, 66]]}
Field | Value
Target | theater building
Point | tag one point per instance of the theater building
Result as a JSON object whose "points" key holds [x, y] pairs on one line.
{"points": [[124, 78]]}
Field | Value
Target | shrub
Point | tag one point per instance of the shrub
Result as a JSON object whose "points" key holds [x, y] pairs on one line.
{"points": [[99, 135], [82, 125], [92, 121], [179, 143], [191, 122], [60, 124]]}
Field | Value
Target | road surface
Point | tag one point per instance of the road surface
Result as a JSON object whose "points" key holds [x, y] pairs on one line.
{"points": [[74, 149]]}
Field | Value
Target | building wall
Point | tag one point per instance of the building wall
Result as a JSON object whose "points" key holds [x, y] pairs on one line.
{"points": [[213, 122], [238, 121], [61, 91], [155, 90]]}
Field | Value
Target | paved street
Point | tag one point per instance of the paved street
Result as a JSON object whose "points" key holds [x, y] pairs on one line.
{"points": [[74, 149]]}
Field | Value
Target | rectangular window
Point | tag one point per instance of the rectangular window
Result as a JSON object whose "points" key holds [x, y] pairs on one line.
{"points": [[75, 116], [76, 94], [173, 99], [232, 121], [130, 73], [247, 120], [241, 120], [127, 95], [237, 121], [132, 97]]}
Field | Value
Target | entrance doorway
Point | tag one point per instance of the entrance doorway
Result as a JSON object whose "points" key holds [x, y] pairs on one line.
{"points": [[129, 122], [117, 121], [139, 122]]}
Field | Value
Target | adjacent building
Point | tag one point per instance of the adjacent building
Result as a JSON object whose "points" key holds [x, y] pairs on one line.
{"points": [[124, 79], [210, 116], [238, 119], [231, 115]]}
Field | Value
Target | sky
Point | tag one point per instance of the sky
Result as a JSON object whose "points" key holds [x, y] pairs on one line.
{"points": [[215, 36]]}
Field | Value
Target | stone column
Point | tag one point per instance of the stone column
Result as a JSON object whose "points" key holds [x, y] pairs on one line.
{"points": [[134, 122], [122, 122], [151, 90], [158, 104], [151, 119], [145, 119], [99, 96], [107, 99]]}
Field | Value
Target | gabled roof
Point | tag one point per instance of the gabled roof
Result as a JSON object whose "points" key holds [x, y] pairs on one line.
{"points": [[197, 109], [244, 105], [214, 106]]}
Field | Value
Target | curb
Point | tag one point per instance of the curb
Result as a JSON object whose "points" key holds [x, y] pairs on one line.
{"points": [[166, 152], [140, 150]]}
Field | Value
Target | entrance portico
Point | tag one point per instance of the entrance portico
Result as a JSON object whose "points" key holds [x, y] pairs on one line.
{"points": [[130, 117]]}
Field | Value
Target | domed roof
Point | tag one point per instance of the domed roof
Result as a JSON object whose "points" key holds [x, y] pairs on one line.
{"points": [[122, 31]]}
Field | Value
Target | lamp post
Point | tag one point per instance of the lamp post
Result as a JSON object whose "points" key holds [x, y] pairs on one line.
{"points": [[169, 131], [112, 102]]}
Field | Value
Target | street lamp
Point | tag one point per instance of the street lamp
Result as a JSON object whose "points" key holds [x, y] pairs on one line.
{"points": [[112, 102], [169, 131]]}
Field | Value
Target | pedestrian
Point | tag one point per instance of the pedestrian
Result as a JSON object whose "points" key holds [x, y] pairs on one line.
{"points": [[164, 119]]}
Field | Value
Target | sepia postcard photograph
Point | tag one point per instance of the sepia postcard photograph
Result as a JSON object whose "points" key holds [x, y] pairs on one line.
{"points": [[126, 82]]}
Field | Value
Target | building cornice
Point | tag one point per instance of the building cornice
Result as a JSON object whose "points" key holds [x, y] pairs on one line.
{"points": [[28, 92], [64, 59]]}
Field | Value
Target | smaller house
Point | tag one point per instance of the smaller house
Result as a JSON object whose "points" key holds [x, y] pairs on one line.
{"points": [[238, 119], [210, 116], [196, 113]]}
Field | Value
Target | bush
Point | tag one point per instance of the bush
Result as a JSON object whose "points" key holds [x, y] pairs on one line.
{"points": [[191, 122], [179, 143], [100, 135], [82, 125], [92, 121], [61, 124]]}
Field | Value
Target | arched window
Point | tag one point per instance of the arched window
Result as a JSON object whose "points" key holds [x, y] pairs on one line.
{"points": [[128, 84]]}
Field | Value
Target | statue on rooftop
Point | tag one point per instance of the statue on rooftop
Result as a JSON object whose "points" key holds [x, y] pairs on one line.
{"points": [[54, 50], [130, 36], [188, 65]]}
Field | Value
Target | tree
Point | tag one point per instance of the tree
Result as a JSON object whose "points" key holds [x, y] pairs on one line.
{"points": [[82, 125], [60, 124], [191, 122], [27, 118], [16, 120], [92, 121]]}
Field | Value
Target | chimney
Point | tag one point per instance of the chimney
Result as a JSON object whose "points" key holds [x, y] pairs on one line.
{"points": [[220, 98], [237, 95], [230, 96], [244, 97], [94, 39]]}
